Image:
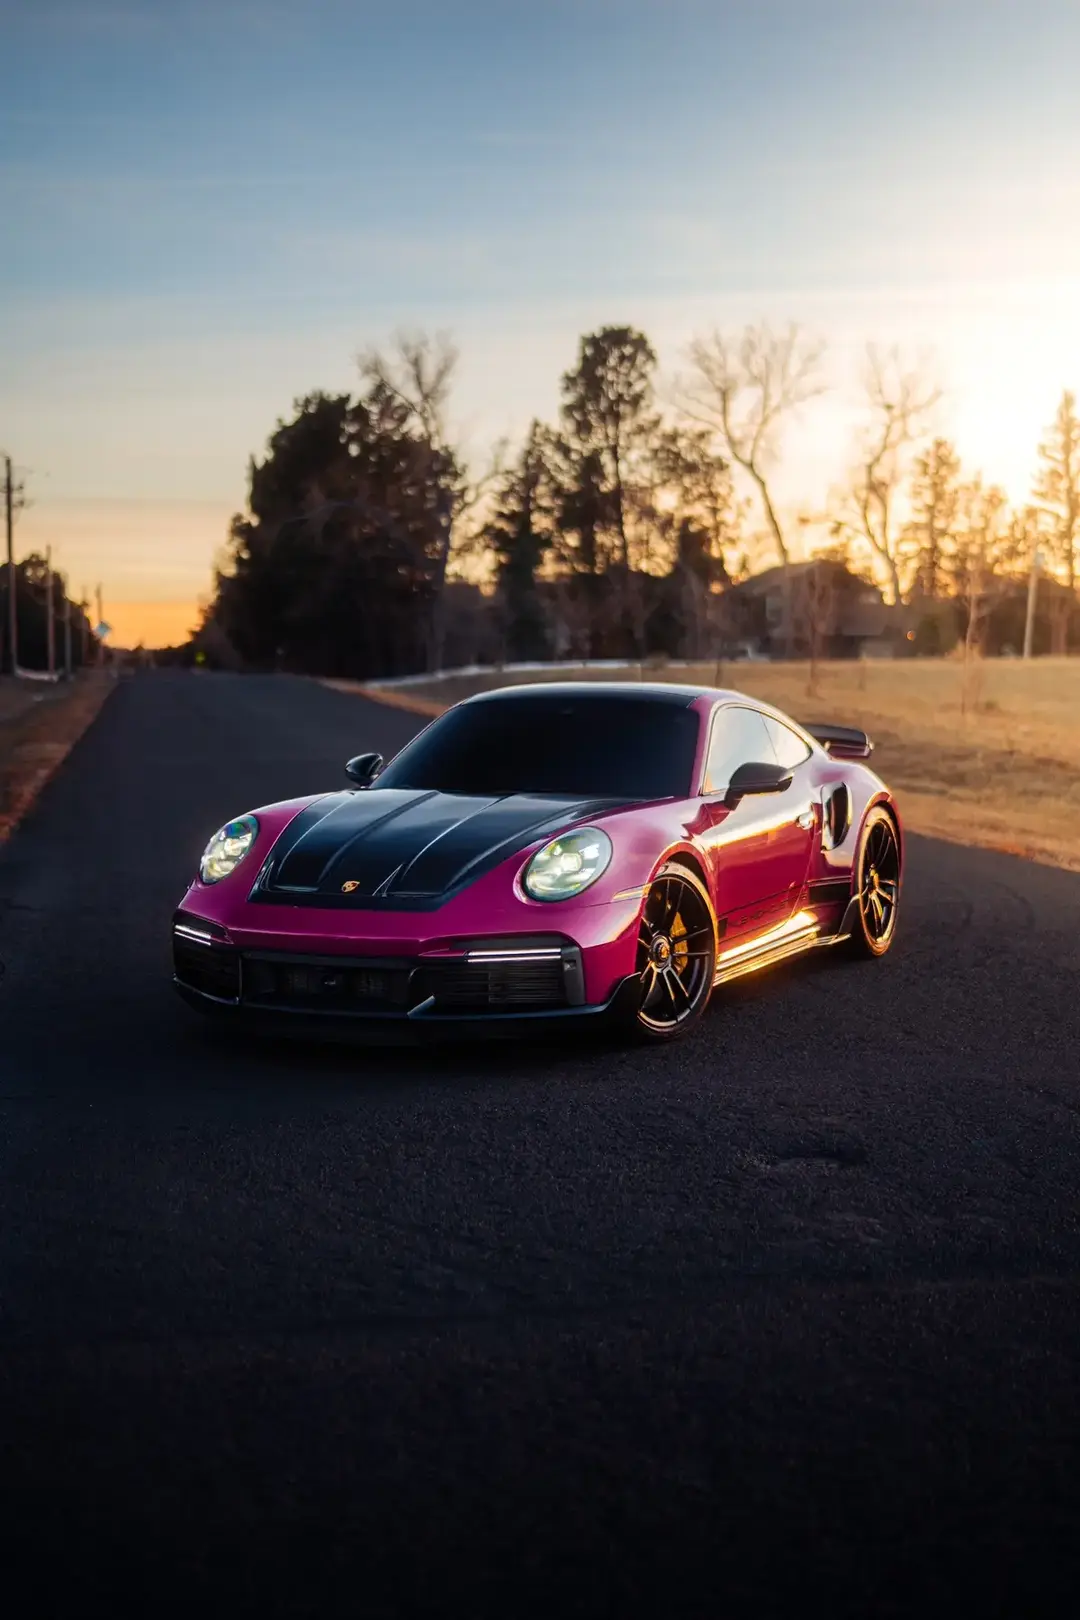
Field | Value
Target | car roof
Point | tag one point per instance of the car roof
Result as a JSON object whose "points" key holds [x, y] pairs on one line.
{"points": [[679, 696], [652, 691]]}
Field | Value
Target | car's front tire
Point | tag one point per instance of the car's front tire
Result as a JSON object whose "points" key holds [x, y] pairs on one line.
{"points": [[676, 958]]}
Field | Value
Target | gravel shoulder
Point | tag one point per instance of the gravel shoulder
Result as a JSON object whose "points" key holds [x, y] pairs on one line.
{"points": [[40, 722]]}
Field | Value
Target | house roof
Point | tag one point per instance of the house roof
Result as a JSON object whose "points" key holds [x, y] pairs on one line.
{"points": [[771, 578]]}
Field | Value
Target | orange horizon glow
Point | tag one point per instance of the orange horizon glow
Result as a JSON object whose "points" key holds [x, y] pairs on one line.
{"points": [[151, 624]]}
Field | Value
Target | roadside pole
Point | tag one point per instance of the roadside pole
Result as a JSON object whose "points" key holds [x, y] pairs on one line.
{"points": [[84, 625], [67, 631], [1032, 598], [13, 611], [50, 615], [100, 620]]}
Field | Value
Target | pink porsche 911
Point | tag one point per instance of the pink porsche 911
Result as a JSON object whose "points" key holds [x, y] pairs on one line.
{"points": [[546, 856]]}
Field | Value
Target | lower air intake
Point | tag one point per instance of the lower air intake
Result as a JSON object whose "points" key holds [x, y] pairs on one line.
{"points": [[213, 970], [497, 986], [327, 984]]}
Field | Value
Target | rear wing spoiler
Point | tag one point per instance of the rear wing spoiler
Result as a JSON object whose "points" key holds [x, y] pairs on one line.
{"points": [[842, 742]]}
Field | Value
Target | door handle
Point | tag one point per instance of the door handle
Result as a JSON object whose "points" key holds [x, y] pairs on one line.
{"points": [[806, 820]]}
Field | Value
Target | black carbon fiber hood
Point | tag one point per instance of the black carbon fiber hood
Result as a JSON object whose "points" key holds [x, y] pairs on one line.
{"points": [[402, 848]]}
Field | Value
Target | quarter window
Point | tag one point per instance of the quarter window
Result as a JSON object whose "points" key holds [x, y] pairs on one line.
{"points": [[739, 737], [789, 747]]}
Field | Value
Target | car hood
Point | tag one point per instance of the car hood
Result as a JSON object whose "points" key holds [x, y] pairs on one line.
{"points": [[406, 847]]}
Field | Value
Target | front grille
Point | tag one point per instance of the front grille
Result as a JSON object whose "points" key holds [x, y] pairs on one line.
{"points": [[500, 975], [214, 970], [501, 985], [331, 984]]}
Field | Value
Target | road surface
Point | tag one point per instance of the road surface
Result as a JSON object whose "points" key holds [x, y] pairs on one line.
{"points": [[784, 1320]]}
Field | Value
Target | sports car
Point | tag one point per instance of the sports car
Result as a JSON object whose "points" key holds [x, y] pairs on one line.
{"points": [[547, 856]]}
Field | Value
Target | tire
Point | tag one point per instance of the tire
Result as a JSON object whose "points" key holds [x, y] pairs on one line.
{"points": [[676, 959], [876, 887]]}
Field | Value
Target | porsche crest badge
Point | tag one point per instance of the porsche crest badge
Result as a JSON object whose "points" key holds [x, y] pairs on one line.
{"points": [[347, 888]]}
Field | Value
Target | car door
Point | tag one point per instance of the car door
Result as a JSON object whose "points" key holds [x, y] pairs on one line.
{"points": [[759, 850], [797, 840]]}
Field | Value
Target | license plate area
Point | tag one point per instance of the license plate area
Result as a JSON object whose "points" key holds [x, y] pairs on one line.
{"points": [[332, 984]]}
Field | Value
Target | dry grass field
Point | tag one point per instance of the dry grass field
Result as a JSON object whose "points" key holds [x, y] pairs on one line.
{"points": [[39, 725], [989, 756]]}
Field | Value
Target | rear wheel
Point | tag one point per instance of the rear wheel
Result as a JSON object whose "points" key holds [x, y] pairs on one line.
{"points": [[877, 887], [676, 957]]}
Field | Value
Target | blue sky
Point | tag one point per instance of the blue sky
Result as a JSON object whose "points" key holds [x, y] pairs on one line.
{"points": [[211, 208]]}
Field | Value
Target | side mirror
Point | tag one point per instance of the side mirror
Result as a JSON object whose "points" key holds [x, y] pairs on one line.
{"points": [[756, 777], [364, 769]]}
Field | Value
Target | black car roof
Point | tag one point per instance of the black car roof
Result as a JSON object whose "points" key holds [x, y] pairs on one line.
{"points": [[654, 691]]}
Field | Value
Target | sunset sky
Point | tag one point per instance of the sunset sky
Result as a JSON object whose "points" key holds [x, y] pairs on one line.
{"points": [[209, 209]]}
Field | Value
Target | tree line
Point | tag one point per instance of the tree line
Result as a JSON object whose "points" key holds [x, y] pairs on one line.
{"points": [[33, 581], [369, 546]]}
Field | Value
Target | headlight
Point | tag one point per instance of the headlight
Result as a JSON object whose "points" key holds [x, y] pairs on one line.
{"points": [[227, 849], [567, 865]]}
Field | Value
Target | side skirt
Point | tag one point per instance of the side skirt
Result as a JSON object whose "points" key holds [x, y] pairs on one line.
{"points": [[800, 934]]}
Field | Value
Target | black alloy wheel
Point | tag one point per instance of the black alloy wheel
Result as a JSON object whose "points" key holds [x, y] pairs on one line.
{"points": [[877, 886], [676, 959]]}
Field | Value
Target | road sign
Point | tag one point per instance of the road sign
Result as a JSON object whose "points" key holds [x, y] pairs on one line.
{"points": [[102, 630]]}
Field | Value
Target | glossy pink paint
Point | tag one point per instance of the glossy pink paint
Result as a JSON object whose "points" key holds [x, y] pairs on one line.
{"points": [[756, 867]]}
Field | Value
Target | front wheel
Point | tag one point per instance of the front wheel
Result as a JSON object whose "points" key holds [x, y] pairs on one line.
{"points": [[676, 957], [877, 887]]}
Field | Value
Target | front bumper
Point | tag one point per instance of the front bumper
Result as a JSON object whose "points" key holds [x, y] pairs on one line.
{"points": [[483, 988]]}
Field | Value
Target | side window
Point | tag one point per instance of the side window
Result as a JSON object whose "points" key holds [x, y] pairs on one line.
{"points": [[789, 748], [738, 736]]}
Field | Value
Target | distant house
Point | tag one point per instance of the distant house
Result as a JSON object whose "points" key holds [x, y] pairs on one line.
{"points": [[830, 610], [1057, 619]]}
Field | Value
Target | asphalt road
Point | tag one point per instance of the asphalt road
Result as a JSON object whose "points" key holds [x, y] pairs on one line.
{"points": [[784, 1320]]}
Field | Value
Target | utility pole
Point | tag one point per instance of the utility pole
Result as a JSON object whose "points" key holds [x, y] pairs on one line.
{"points": [[67, 631], [13, 612], [100, 620], [84, 624], [50, 616], [1033, 592]]}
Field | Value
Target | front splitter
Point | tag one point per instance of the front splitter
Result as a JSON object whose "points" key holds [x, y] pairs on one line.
{"points": [[420, 1029]]}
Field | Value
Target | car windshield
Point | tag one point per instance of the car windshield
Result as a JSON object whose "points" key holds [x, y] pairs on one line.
{"points": [[593, 747]]}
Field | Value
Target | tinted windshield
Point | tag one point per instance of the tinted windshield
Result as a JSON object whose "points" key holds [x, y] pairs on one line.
{"points": [[595, 747]]}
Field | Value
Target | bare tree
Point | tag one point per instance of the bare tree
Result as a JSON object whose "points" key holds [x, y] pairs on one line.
{"points": [[898, 404], [418, 374], [983, 548], [692, 487], [818, 609], [1057, 487], [744, 390]]}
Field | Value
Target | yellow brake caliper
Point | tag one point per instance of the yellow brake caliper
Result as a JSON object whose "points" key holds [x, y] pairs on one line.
{"points": [[680, 950]]}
